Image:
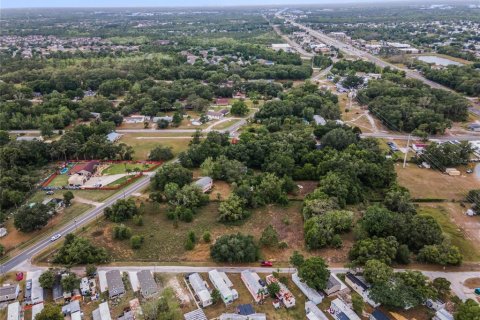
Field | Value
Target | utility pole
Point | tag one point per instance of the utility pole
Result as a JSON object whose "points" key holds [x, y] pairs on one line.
{"points": [[406, 151]]}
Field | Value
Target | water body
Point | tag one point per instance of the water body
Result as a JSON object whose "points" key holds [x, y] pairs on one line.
{"points": [[439, 61]]}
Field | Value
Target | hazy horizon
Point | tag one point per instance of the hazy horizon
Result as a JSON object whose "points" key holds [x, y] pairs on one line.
{"points": [[14, 4]]}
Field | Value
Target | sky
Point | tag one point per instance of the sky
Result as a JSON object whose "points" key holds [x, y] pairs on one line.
{"points": [[156, 3]]}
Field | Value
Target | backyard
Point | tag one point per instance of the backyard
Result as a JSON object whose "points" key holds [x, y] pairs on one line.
{"points": [[142, 144]]}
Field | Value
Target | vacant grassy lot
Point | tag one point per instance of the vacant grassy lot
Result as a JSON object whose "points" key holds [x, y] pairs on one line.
{"points": [[429, 183], [143, 143], [164, 240], [119, 168], [456, 228]]}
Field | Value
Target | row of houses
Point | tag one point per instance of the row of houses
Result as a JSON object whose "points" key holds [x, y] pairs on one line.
{"points": [[141, 281]]}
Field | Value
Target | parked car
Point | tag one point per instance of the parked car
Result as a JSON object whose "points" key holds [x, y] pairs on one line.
{"points": [[266, 264], [55, 237], [469, 171], [49, 193]]}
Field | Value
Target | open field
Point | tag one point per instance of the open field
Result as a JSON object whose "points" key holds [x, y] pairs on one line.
{"points": [[164, 239], [59, 181], [460, 229], [118, 168], [432, 184], [142, 147]]}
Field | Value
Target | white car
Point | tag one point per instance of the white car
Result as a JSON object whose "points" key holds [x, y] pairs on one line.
{"points": [[55, 237]]}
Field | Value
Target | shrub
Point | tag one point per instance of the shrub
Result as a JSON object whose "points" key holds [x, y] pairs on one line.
{"points": [[207, 237], [234, 248], [136, 241]]}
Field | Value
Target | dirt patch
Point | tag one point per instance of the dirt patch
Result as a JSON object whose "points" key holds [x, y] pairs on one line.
{"points": [[472, 283]]}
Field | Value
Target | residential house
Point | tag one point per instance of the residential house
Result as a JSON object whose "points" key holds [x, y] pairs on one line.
{"points": [[313, 312], [115, 284], [256, 286], [57, 289], [54, 203], [165, 118], [72, 309], [418, 147], [205, 183], [360, 285], [197, 314], [28, 138], [340, 311], [148, 286], [9, 292], [334, 285], [284, 294], [113, 136], [243, 312], [378, 315], [36, 309], [222, 101], [443, 314], [13, 311], [223, 284], [312, 294], [81, 173], [200, 289], [134, 119], [239, 95], [102, 313], [214, 115]]}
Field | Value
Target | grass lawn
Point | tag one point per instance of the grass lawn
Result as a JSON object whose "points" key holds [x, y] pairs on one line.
{"points": [[59, 181], [94, 195], [143, 147], [119, 168], [119, 181], [452, 231]]}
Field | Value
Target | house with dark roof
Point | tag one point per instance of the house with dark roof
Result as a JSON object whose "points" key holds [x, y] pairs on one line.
{"points": [[360, 285], [148, 286], [57, 290], [378, 315], [10, 292], [333, 285], [114, 283]]}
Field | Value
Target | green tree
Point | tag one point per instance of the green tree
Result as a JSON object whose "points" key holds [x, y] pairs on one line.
{"points": [[47, 279], [233, 209], [339, 138], [424, 230], [443, 254], [234, 248], [172, 172], [160, 153], [357, 303], [442, 286], [121, 210], [67, 198], [50, 312], [381, 249], [469, 310], [314, 273], [216, 296], [70, 282], [239, 108], [77, 250], [297, 259], [90, 270], [269, 237], [31, 218], [46, 129], [273, 289], [377, 272], [207, 237]]}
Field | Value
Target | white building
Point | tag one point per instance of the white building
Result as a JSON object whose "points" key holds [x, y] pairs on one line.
{"points": [[13, 312], [200, 289], [102, 313], [281, 46], [36, 291], [284, 294], [312, 294], [341, 311], [443, 314], [313, 312], [221, 282], [254, 284]]}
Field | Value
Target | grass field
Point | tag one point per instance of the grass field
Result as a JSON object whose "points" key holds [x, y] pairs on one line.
{"points": [[164, 240], [429, 183], [59, 181], [143, 147], [455, 234], [119, 168]]}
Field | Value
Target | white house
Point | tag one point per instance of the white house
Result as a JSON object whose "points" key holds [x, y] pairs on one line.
{"points": [[443, 314], [340, 311], [13, 312], [313, 312], [36, 291], [200, 289], [312, 294], [254, 284], [361, 287], [102, 313], [36, 309], [205, 183], [221, 282], [134, 119]]}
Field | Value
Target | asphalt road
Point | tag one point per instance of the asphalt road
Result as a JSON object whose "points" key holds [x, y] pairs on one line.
{"points": [[73, 225]]}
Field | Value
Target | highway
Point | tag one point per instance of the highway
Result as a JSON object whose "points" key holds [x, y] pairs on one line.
{"points": [[351, 50], [71, 226]]}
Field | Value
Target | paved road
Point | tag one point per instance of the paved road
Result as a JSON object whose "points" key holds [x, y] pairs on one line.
{"points": [[73, 225], [351, 50], [463, 137], [456, 278], [293, 44]]}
